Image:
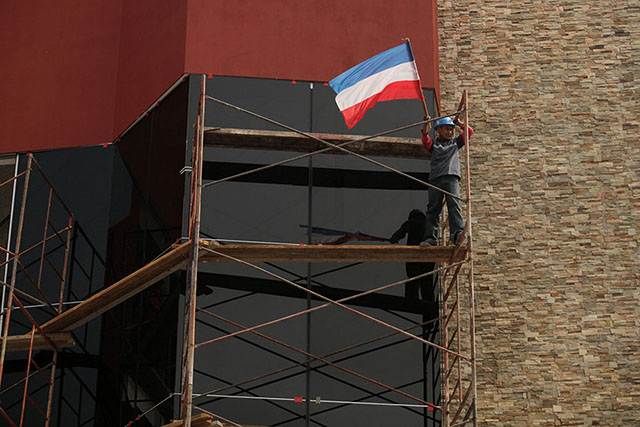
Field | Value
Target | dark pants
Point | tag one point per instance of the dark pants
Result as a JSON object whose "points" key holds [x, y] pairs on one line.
{"points": [[451, 184]]}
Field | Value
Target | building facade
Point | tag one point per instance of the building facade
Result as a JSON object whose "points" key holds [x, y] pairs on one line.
{"points": [[554, 99], [555, 91]]}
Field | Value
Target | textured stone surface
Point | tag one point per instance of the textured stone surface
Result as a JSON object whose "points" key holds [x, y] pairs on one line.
{"points": [[555, 100]]}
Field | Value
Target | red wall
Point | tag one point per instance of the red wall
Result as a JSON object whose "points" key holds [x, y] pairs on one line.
{"points": [[151, 57], [306, 40], [77, 72], [58, 73]]}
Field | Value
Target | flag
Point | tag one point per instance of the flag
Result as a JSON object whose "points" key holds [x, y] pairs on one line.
{"points": [[328, 236], [389, 75]]}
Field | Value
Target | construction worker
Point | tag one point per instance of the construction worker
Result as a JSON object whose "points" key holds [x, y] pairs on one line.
{"points": [[445, 175]]}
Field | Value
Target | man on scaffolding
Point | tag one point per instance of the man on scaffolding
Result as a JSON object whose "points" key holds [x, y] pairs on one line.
{"points": [[445, 175]]}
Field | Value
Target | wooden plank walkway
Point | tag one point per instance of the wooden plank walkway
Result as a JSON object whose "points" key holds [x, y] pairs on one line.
{"points": [[177, 257], [204, 420], [22, 342], [385, 146], [330, 253], [120, 291]]}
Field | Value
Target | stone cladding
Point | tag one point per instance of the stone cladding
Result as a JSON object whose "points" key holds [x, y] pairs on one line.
{"points": [[555, 101]]}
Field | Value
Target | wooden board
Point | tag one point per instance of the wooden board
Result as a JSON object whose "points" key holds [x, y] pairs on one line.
{"points": [[203, 420], [120, 291], [330, 253], [22, 342], [383, 146], [177, 257], [200, 420]]}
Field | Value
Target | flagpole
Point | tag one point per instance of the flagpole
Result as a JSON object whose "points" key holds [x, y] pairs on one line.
{"points": [[424, 103]]}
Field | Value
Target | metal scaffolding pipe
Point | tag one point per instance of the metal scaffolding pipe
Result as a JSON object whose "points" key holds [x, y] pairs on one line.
{"points": [[194, 234], [339, 303], [16, 258], [330, 147], [472, 324], [325, 361]]}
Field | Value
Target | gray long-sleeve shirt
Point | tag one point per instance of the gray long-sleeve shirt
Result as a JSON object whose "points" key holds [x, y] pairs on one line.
{"points": [[444, 154]]}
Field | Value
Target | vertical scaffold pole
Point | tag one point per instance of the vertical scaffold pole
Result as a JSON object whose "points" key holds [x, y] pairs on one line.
{"points": [[63, 284], [14, 272], [445, 331], [192, 272], [472, 325]]}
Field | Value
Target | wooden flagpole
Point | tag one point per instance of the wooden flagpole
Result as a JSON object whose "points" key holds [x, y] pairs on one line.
{"points": [[424, 103]]}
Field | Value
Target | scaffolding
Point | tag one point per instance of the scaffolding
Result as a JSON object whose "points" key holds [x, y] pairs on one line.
{"points": [[51, 253], [58, 224], [459, 388], [455, 275]]}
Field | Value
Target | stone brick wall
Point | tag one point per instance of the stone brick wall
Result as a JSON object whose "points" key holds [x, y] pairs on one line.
{"points": [[555, 100]]}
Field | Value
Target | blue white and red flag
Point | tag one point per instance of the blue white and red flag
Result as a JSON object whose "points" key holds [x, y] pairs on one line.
{"points": [[389, 75]]}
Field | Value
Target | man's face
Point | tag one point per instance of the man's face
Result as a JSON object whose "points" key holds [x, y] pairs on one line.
{"points": [[445, 131]]}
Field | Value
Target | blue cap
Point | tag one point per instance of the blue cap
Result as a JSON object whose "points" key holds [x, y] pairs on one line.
{"points": [[444, 121]]}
